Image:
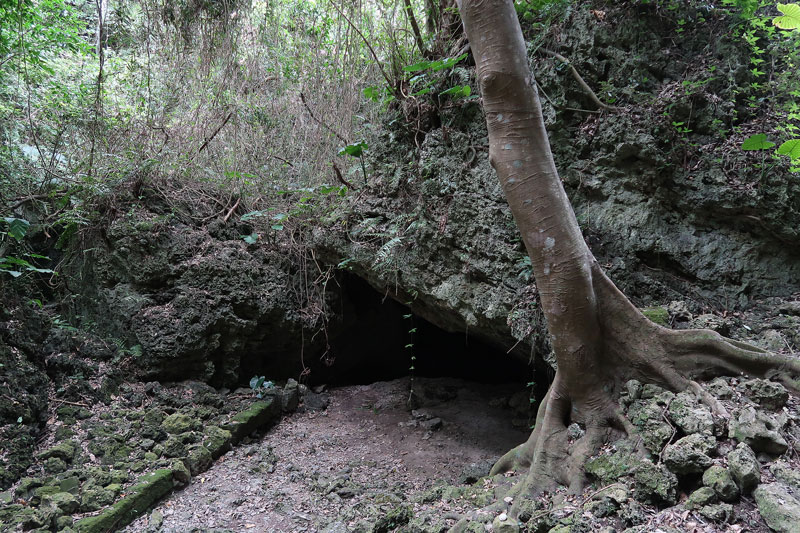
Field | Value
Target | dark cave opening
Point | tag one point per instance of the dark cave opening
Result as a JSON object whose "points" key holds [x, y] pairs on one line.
{"points": [[378, 337], [371, 337]]}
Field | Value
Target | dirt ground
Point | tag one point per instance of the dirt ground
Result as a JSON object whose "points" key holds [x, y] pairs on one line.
{"points": [[325, 470]]}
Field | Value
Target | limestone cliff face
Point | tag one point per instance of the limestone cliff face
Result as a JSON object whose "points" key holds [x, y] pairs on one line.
{"points": [[667, 200]]}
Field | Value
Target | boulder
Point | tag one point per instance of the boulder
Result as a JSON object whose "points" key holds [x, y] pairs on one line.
{"points": [[690, 454], [718, 512], [744, 467], [179, 423], [758, 430], [689, 415], [143, 494], [654, 483], [503, 523], [721, 481], [766, 393], [701, 497], [779, 507], [785, 473]]}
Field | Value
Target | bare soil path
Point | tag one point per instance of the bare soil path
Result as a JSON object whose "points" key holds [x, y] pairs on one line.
{"points": [[361, 458]]}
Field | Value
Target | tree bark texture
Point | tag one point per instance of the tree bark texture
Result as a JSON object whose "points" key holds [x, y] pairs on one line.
{"points": [[600, 339]]}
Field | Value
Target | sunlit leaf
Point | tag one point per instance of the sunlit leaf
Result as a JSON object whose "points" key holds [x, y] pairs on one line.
{"points": [[790, 148], [791, 17]]}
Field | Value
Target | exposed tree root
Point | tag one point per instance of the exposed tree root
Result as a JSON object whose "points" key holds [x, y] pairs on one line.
{"points": [[631, 347]]}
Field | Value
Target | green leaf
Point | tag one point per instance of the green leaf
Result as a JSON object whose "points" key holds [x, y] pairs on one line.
{"points": [[458, 91], [416, 67], [355, 150], [791, 17], [19, 420], [254, 214], [373, 93], [757, 142], [790, 148], [437, 65], [250, 239], [17, 227], [277, 227]]}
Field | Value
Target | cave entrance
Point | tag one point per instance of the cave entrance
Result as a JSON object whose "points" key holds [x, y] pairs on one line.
{"points": [[377, 337], [370, 338]]}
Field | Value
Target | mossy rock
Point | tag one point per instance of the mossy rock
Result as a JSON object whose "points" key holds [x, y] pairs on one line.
{"points": [[395, 518], [721, 481], [257, 415], [140, 497], [610, 467], [180, 423], [701, 497], [778, 506], [63, 450], [65, 502], [198, 459], [217, 440], [655, 483], [95, 498], [659, 315]]}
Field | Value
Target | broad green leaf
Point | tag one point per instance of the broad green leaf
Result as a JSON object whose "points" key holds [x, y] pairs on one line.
{"points": [[250, 239], [416, 67], [277, 227], [790, 148], [355, 150], [757, 142], [15, 261], [458, 91], [373, 93], [439, 64], [791, 17], [17, 227]]}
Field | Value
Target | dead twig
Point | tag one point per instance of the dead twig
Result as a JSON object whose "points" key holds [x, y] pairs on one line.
{"points": [[232, 209], [585, 86], [215, 132], [319, 121], [340, 178]]}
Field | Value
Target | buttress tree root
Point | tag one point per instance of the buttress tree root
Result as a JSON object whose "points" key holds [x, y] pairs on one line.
{"points": [[600, 339]]}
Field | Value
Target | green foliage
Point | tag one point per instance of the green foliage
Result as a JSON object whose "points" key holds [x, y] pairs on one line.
{"points": [[790, 148], [531, 10], [15, 266], [757, 142], [250, 239], [355, 150], [791, 17], [435, 66], [16, 227], [258, 384]]}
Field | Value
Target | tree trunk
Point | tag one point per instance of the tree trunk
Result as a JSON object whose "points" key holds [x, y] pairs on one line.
{"points": [[600, 339]]}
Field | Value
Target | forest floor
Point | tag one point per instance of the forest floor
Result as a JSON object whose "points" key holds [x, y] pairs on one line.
{"points": [[360, 458]]}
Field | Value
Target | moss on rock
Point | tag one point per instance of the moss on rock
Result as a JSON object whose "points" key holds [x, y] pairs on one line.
{"points": [[139, 498]]}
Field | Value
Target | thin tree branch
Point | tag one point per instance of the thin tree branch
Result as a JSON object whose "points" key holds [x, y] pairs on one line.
{"points": [[215, 132], [415, 27], [588, 90], [371, 50], [319, 121]]}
